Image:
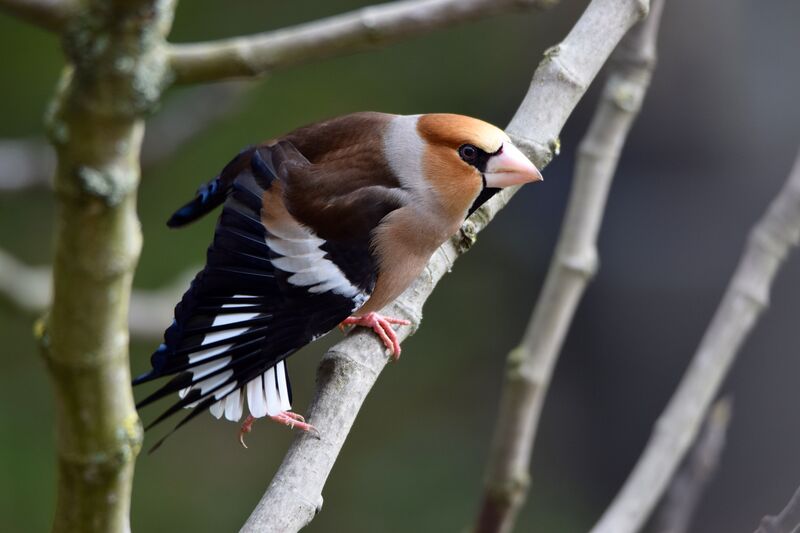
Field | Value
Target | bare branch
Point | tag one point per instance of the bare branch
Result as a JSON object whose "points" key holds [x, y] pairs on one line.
{"points": [[787, 521], [25, 163], [686, 489], [745, 298], [342, 34], [29, 163], [96, 123], [348, 371], [48, 14], [530, 365], [30, 289]]}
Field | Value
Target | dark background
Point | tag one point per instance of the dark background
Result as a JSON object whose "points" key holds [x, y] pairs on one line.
{"points": [[716, 138]]}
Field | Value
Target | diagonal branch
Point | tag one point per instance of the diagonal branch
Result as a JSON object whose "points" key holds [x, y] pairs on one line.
{"points": [[51, 15], [787, 521], [349, 370], [338, 35], [746, 297], [530, 365], [686, 489]]}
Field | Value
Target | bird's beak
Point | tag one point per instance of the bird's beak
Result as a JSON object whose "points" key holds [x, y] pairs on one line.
{"points": [[510, 167]]}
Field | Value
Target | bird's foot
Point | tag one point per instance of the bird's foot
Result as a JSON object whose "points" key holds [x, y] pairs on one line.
{"points": [[382, 325], [294, 421], [287, 418], [247, 427]]}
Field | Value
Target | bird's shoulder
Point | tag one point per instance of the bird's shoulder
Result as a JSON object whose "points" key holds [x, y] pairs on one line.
{"points": [[335, 178]]}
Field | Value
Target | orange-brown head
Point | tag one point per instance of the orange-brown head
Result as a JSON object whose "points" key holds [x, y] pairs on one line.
{"points": [[457, 160]]}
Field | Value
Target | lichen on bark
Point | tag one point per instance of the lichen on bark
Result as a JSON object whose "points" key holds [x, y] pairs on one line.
{"points": [[116, 73]]}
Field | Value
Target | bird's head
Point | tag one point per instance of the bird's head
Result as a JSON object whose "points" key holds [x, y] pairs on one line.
{"points": [[463, 160]]}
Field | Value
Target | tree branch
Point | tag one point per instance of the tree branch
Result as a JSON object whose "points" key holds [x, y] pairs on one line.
{"points": [[348, 371], [686, 489], [30, 289], [342, 34], [29, 163], [25, 163], [116, 74], [48, 14], [745, 298], [787, 521], [530, 364]]}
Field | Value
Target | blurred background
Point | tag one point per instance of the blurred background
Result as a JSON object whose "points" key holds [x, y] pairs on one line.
{"points": [[716, 138]]}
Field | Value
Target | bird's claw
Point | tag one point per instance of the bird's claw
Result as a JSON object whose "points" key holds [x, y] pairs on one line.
{"points": [[286, 418], [247, 427], [382, 325]]}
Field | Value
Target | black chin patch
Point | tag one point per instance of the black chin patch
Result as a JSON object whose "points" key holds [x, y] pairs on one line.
{"points": [[482, 198]]}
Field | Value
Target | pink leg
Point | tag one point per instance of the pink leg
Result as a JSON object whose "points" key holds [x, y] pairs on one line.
{"points": [[247, 427], [382, 325], [287, 418]]}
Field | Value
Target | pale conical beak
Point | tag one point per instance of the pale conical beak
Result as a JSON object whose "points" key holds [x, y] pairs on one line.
{"points": [[510, 167]]}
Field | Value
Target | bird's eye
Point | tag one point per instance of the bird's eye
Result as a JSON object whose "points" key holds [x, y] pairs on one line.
{"points": [[468, 153]]}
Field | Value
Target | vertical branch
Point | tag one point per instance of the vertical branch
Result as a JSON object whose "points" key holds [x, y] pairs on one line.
{"points": [[530, 365], [686, 489], [29, 290], [745, 299], [31, 162], [96, 123]]}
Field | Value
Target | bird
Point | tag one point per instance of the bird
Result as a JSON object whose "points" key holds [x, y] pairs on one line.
{"points": [[319, 228]]}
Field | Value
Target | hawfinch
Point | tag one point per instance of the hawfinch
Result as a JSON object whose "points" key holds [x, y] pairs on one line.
{"points": [[322, 227]]}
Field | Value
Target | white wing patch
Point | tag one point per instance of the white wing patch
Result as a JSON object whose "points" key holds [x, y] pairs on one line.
{"points": [[267, 395], [205, 369], [306, 261]]}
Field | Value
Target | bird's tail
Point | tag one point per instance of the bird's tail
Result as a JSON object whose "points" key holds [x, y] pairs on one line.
{"points": [[212, 193]]}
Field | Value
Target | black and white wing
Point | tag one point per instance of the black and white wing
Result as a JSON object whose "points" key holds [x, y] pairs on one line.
{"points": [[270, 286]]}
